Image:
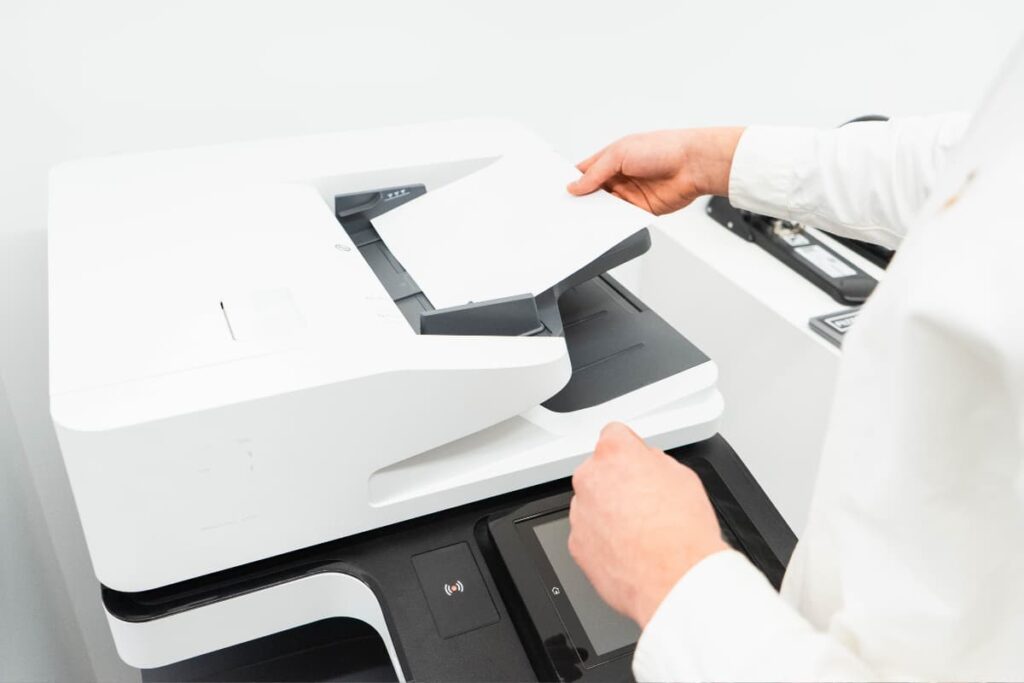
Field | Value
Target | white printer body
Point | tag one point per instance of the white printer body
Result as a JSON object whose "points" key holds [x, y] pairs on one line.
{"points": [[231, 380]]}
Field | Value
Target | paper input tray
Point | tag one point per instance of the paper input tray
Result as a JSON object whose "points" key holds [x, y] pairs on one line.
{"points": [[616, 344]]}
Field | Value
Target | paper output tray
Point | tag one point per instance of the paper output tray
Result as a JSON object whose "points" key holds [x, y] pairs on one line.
{"points": [[616, 344]]}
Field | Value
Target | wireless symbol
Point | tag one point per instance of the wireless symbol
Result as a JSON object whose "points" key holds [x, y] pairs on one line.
{"points": [[452, 588]]}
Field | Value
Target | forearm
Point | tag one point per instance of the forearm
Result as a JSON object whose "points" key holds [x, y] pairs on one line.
{"points": [[866, 180]]}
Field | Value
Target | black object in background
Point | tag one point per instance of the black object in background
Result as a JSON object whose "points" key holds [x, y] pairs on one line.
{"points": [[874, 253], [801, 251]]}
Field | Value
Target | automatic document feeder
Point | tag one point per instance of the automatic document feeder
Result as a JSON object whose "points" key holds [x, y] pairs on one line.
{"points": [[241, 369]]}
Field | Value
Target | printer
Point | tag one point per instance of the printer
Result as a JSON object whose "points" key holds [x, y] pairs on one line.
{"points": [[242, 373]]}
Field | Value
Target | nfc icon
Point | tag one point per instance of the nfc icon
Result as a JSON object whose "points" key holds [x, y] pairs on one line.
{"points": [[452, 588]]}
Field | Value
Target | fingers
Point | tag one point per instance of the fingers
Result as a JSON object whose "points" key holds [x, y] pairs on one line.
{"points": [[598, 171]]}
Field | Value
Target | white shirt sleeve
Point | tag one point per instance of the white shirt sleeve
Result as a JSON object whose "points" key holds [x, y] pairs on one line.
{"points": [[723, 621], [865, 180]]}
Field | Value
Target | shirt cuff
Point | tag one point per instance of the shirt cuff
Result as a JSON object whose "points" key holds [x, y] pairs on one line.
{"points": [[768, 169], [693, 631]]}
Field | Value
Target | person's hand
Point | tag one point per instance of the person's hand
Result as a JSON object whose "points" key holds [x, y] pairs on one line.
{"points": [[639, 521], [662, 171]]}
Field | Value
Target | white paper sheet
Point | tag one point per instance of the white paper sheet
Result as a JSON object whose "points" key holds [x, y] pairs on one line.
{"points": [[510, 228]]}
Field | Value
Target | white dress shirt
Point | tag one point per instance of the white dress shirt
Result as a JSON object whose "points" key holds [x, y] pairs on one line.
{"points": [[912, 562]]}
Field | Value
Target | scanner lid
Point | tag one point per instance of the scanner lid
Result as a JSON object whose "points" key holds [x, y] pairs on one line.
{"points": [[221, 274]]}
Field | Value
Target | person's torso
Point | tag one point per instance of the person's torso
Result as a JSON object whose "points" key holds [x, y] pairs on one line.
{"points": [[912, 554]]}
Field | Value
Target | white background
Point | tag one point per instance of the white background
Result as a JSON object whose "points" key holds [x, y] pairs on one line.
{"points": [[89, 78]]}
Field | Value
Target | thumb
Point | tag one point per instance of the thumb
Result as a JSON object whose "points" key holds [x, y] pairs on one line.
{"points": [[598, 173]]}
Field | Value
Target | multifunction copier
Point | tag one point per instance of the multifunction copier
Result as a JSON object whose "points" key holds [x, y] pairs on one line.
{"points": [[282, 452]]}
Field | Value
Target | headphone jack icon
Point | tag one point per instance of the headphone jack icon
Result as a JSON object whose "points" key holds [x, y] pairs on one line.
{"points": [[456, 586]]}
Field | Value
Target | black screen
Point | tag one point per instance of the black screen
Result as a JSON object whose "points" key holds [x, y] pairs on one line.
{"points": [[606, 629]]}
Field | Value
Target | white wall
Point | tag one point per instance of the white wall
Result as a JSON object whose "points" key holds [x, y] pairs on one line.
{"points": [[110, 76]]}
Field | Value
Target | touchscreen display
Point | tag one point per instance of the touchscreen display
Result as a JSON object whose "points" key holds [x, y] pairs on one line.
{"points": [[607, 629]]}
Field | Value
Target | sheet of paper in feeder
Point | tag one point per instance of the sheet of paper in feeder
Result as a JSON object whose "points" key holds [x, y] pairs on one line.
{"points": [[510, 228]]}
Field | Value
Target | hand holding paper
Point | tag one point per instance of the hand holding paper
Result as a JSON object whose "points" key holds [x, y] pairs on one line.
{"points": [[508, 229]]}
